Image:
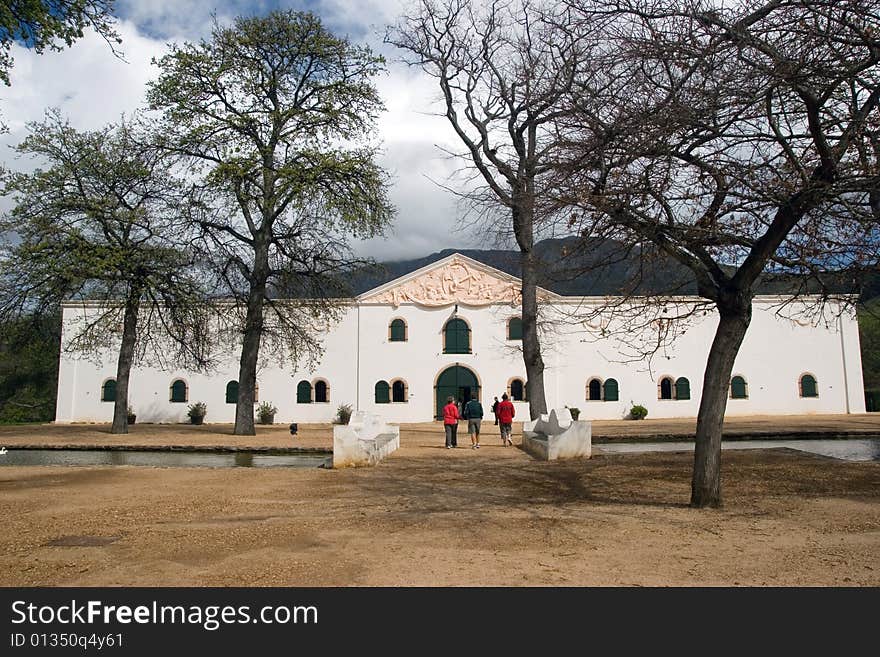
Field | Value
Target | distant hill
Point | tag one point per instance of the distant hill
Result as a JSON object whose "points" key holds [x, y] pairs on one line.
{"points": [[600, 268]]}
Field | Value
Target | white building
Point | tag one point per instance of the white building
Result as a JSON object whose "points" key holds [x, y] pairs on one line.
{"points": [[446, 329]]}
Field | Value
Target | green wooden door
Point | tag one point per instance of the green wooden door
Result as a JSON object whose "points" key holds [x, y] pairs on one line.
{"points": [[455, 381]]}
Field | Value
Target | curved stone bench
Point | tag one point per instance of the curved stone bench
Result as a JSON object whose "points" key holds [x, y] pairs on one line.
{"points": [[365, 440], [557, 436]]}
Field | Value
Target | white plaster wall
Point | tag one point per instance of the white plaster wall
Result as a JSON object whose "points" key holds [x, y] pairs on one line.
{"points": [[357, 354]]}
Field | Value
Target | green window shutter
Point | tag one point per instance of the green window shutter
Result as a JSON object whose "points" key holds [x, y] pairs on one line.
{"points": [[108, 390], [666, 388], [594, 390], [738, 388], [178, 391], [232, 392], [458, 339], [382, 393], [322, 392], [682, 389], [808, 386], [611, 390], [398, 392], [398, 331], [514, 329], [304, 392]]}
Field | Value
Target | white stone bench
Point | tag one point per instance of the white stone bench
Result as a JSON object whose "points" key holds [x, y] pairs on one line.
{"points": [[557, 436], [365, 440]]}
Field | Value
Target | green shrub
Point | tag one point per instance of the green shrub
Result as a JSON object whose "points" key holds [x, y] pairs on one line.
{"points": [[343, 414], [575, 412], [197, 412], [638, 412], [266, 413]]}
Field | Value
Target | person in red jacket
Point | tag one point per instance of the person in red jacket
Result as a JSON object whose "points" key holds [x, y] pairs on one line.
{"points": [[506, 413], [450, 422]]}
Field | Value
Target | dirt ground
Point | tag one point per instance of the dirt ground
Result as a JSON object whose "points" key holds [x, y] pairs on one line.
{"points": [[429, 516]]}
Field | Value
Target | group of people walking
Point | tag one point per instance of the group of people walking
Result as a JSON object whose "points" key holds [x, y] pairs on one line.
{"points": [[472, 411]]}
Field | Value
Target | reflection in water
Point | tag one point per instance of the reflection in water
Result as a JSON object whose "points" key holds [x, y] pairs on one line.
{"points": [[864, 449], [165, 459]]}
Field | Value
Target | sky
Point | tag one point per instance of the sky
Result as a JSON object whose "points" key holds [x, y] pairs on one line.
{"points": [[93, 88]]}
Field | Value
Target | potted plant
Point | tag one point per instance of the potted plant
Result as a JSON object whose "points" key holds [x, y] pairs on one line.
{"points": [[343, 413], [266, 413], [131, 415], [197, 412], [575, 412], [638, 412]]}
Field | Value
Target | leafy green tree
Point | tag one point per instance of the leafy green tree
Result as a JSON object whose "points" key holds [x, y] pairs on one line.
{"points": [[100, 223], [273, 115], [29, 368]]}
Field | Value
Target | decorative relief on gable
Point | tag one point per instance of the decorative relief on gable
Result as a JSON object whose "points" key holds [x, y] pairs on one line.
{"points": [[456, 282]]}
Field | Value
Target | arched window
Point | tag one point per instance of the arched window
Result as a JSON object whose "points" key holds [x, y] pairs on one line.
{"points": [[397, 331], [232, 392], [382, 392], [457, 337], [610, 390], [739, 389], [682, 388], [303, 392], [108, 390], [665, 388], [179, 392], [808, 386], [517, 390], [398, 391], [514, 329], [594, 390], [322, 392]]}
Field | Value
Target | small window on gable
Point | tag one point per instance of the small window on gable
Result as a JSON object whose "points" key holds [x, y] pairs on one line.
{"points": [[322, 392], [382, 392], [398, 392], [397, 331], [517, 390], [682, 388], [739, 389], [594, 390], [808, 386], [514, 329], [178, 392], [456, 337], [610, 390], [303, 392], [108, 390]]}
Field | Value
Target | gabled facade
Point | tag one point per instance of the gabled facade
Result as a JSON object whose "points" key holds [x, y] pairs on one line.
{"points": [[453, 328]]}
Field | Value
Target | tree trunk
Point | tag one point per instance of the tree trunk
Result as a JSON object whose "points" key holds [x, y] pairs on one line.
{"points": [[706, 481], [530, 344], [123, 363], [250, 348]]}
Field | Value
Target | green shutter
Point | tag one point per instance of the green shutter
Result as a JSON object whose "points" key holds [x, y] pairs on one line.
{"points": [[382, 393], [321, 392], [611, 391], [398, 331], [108, 390], [304, 392], [178, 391], [738, 388], [594, 390], [232, 392], [682, 389], [457, 337], [514, 329], [398, 392], [808, 386]]}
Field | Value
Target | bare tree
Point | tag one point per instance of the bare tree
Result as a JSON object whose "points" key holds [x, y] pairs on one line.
{"points": [[741, 141], [274, 114], [503, 72]]}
